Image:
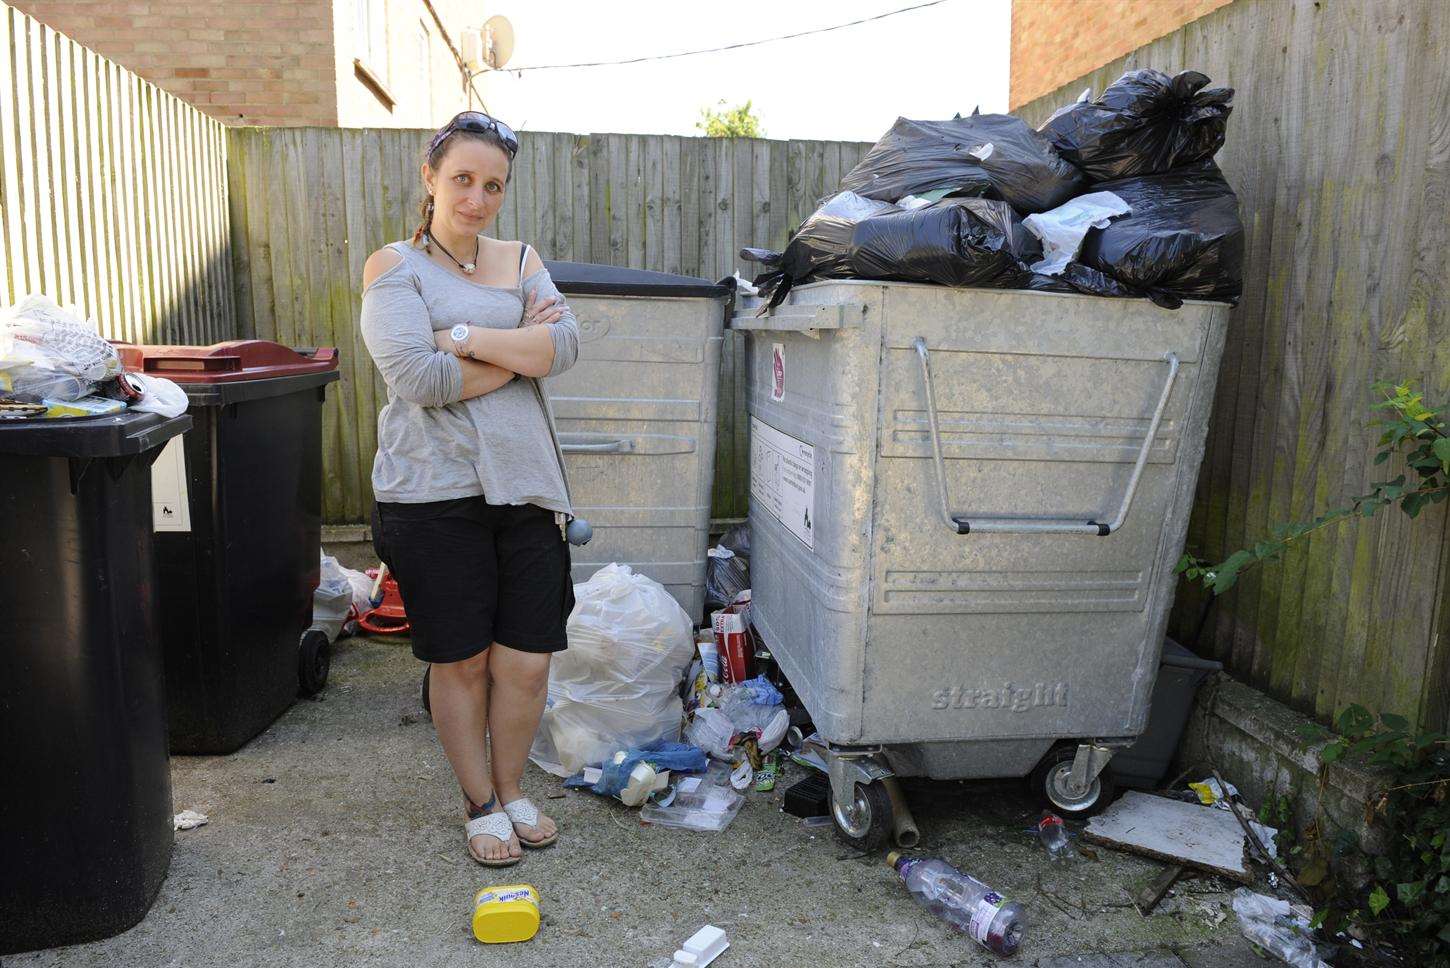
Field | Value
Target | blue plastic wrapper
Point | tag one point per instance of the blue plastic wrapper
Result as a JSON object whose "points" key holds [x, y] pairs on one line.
{"points": [[661, 754]]}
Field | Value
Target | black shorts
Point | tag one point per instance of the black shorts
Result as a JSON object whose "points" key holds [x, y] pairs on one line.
{"points": [[473, 573]]}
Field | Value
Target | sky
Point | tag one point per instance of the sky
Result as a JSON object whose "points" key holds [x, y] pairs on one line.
{"points": [[844, 85]]}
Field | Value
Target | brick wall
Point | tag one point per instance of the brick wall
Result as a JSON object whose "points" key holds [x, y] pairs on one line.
{"points": [[249, 62], [1054, 41]]}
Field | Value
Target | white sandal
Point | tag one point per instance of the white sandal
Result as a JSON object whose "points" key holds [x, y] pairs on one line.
{"points": [[497, 826], [522, 811]]}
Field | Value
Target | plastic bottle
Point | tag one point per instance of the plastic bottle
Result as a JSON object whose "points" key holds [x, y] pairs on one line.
{"points": [[1054, 837], [963, 902]]}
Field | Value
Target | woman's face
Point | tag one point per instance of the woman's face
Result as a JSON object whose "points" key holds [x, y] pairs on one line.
{"points": [[468, 186]]}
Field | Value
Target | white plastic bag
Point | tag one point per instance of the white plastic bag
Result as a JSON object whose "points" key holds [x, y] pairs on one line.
{"points": [[1275, 926], [1063, 229], [332, 601], [158, 395], [37, 332], [618, 683]]}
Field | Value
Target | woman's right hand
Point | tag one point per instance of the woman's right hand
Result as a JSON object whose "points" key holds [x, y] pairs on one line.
{"points": [[538, 312]]}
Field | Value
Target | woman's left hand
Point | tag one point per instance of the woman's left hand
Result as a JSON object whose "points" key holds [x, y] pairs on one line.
{"points": [[548, 310]]}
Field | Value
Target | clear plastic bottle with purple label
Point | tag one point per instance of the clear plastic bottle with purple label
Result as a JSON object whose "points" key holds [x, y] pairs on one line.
{"points": [[963, 902]]}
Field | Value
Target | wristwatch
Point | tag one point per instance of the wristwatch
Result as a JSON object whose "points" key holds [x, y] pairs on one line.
{"points": [[458, 334]]}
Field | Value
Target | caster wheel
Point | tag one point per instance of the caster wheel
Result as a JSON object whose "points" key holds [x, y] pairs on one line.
{"points": [[1050, 781], [427, 670], [314, 661], [867, 823]]}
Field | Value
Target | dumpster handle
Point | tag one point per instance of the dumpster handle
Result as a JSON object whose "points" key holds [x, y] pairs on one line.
{"points": [[966, 524], [622, 446]]}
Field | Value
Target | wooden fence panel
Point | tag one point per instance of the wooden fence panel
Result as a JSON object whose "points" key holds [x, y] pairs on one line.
{"points": [[1339, 149], [672, 204], [113, 195]]}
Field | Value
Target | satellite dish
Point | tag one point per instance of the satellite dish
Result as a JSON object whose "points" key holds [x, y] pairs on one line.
{"points": [[498, 41]]}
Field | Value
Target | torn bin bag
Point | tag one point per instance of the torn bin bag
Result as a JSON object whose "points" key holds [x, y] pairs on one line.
{"points": [[1145, 123], [985, 155], [1182, 240]]}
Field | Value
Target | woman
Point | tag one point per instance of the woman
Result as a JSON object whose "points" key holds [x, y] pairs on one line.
{"points": [[471, 497]]}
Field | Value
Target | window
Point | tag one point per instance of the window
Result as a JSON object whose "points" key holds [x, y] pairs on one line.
{"points": [[372, 36]]}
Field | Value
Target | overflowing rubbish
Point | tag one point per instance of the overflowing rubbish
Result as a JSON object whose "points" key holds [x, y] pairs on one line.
{"points": [[984, 156], [54, 363], [962, 901], [727, 572], [1181, 240], [341, 598], [632, 776], [617, 685], [506, 914], [1144, 123], [1277, 927], [1054, 836], [189, 820], [1115, 196], [698, 803], [1062, 230], [733, 639]]}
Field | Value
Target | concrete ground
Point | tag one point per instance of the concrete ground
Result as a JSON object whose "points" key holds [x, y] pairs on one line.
{"points": [[336, 839]]}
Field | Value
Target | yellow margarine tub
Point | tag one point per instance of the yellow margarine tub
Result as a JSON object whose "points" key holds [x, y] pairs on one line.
{"points": [[507, 913]]}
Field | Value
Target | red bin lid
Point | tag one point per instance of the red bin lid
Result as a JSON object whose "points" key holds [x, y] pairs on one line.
{"points": [[231, 362]]}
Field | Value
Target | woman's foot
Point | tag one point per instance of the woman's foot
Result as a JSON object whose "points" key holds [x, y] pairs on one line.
{"points": [[486, 841], [530, 825]]}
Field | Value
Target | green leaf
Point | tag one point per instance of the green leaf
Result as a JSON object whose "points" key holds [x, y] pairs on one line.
{"points": [[1354, 719], [1378, 900], [1409, 893], [1394, 721], [1383, 455], [1331, 752]]}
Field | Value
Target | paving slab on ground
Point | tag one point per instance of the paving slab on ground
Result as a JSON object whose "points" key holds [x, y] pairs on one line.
{"points": [[336, 839]]}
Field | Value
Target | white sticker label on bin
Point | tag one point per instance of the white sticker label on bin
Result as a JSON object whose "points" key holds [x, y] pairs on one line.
{"points": [[170, 509], [783, 479]]}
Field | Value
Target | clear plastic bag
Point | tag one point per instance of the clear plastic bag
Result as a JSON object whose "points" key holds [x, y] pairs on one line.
{"points": [[158, 395], [332, 601], [38, 333], [1273, 925], [617, 685]]}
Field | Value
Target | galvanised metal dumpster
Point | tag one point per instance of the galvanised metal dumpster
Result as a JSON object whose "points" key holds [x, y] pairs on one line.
{"points": [[966, 506], [636, 420]]}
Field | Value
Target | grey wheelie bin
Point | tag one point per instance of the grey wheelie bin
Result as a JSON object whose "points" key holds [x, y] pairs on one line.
{"points": [[636, 419], [966, 506]]}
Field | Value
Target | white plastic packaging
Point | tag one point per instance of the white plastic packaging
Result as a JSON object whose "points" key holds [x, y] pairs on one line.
{"points": [[158, 395], [1273, 925], [618, 683], [1063, 229]]}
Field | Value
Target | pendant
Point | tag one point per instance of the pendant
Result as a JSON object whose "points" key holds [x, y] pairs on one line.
{"points": [[469, 268]]}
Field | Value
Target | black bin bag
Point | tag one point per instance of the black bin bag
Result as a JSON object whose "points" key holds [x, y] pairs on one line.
{"points": [[955, 242], [986, 155], [1182, 239], [1144, 123]]}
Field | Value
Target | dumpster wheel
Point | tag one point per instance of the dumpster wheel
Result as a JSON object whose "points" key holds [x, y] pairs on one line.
{"points": [[866, 824], [314, 661], [1050, 781]]}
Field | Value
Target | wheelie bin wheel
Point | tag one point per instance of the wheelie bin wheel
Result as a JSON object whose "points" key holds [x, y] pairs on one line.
{"points": [[314, 661], [1051, 782], [426, 670], [866, 824]]}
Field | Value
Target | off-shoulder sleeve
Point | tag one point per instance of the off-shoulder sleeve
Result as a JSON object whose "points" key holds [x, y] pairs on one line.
{"points": [[399, 337]]}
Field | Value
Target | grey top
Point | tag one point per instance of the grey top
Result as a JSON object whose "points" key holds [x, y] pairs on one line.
{"points": [[432, 445]]}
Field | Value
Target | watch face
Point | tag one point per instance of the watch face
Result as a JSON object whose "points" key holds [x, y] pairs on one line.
{"points": [[459, 332]]}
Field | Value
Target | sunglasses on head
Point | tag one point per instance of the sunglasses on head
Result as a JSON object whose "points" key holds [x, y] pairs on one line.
{"points": [[481, 123]]}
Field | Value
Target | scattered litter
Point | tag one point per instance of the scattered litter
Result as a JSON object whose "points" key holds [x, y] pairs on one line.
{"points": [[188, 819], [962, 901], [506, 914], [743, 286], [703, 947], [727, 572], [1054, 836], [1277, 927], [1210, 794], [809, 797], [617, 685], [1173, 831], [633, 776], [705, 806], [1148, 898]]}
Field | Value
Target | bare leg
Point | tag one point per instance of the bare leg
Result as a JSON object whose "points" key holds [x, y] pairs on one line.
{"points": [[458, 694], [520, 683]]}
